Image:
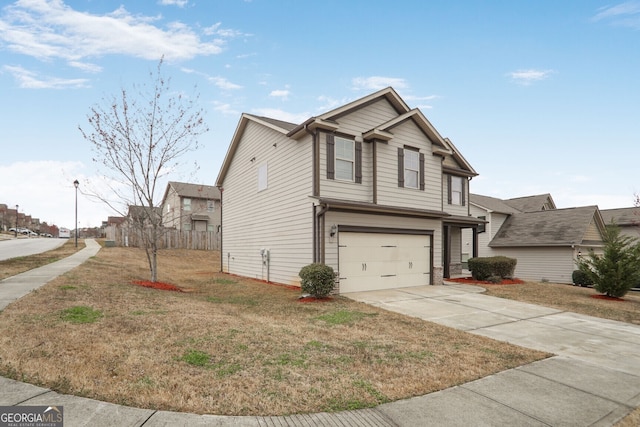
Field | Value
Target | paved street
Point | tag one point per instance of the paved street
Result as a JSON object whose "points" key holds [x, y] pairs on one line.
{"points": [[12, 248]]}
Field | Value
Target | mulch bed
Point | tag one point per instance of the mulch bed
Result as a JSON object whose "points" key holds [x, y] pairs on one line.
{"points": [[472, 281], [607, 297], [314, 299], [157, 285]]}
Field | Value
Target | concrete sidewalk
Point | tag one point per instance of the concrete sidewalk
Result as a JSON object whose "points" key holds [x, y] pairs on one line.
{"points": [[594, 380]]}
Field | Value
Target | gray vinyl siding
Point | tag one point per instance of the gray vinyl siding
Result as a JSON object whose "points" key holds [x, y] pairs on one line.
{"points": [[171, 210], [495, 222], [381, 221], [462, 210], [278, 218], [545, 263], [592, 232], [355, 124], [347, 190], [388, 191]]}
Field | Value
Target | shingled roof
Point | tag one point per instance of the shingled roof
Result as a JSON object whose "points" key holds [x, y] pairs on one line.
{"points": [[622, 216], [195, 191], [556, 227], [492, 203]]}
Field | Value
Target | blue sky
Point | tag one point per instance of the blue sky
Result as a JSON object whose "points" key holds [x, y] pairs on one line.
{"points": [[539, 96]]}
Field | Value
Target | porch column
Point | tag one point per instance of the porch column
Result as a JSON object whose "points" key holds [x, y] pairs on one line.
{"points": [[475, 242]]}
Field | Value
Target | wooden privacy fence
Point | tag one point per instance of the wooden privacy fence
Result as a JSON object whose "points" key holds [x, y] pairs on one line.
{"points": [[169, 238]]}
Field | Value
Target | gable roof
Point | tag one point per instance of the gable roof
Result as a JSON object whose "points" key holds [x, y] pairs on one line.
{"points": [[531, 203], [492, 204], [622, 216], [556, 227], [194, 191], [515, 205]]}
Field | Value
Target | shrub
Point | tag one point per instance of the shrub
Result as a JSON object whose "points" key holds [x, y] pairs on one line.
{"points": [[494, 279], [616, 271], [485, 267], [317, 279], [580, 278]]}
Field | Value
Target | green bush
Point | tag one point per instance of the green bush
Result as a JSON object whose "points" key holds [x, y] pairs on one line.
{"points": [[616, 271], [580, 278], [482, 268], [317, 279]]}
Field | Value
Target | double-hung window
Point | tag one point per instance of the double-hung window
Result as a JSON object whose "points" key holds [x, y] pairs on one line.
{"points": [[456, 190], [186, 204], [411, 168], [345, 159]]}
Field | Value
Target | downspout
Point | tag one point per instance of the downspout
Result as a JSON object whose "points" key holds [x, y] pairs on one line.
{"points": [[315, 190], [320, 232], [222, 231]]}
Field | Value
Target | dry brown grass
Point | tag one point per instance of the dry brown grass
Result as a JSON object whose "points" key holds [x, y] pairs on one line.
{"points": [[253, 347], [13, 266], [631, 420], [571, 298]]}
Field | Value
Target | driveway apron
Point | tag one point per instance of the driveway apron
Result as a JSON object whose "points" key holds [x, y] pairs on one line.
{"points": [[594, 379]]}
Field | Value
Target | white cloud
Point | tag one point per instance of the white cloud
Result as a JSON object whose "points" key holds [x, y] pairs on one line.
{"points": [[378, 82], [281, 93], [274, 113], [217, 30], [86, 66], [225, 109], [223, 83], [528, 77], [625, 14], [52, 30], [30, 80], [218, 81], [179, 3]]}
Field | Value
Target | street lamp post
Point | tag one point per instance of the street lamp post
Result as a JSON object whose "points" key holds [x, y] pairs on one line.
{"points": [[75, 184], [16, 220]]}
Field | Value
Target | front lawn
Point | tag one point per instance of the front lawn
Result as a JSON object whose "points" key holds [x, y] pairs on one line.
{"points": [[227, 345]]}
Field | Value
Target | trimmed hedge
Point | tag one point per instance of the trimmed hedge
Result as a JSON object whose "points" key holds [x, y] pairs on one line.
{"points": [[317, 279], [581, 278], [482, 268]]}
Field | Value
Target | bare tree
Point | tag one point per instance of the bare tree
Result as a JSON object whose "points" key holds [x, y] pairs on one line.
{"points": [[137, 141]]}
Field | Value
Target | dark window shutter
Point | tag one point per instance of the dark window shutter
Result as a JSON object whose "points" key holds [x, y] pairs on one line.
{"points": [[464, 188], [421, 171], [449, 189], [400, 167], [358, 162], [331, 157]]}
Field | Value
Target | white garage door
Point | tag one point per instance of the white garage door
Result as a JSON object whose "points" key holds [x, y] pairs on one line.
{"points": [[370, 261]]}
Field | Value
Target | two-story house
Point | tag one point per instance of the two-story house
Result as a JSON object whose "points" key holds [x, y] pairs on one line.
{"points": [[369, 188], [190, 207]]}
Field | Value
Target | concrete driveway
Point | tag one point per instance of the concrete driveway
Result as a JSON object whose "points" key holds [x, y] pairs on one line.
{"points": [[594, 380], [465, 307]]}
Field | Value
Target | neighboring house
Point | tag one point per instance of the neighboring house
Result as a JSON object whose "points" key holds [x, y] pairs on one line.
{"points": [[191, 207], [628, 219], [369, 188], [546, 241], [138, 216]]}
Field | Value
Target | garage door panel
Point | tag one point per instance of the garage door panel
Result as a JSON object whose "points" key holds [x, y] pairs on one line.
{"points": [[369, 261]]}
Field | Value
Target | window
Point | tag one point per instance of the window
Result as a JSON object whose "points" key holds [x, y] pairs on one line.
{"points": [[345, 159], [186, 204], [262, 177], [211, 206], [456, 190], [411, 168], [482, 227]]}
